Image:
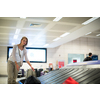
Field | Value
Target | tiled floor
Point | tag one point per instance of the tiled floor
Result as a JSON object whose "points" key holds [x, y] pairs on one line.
{"points": [[3, 80]]}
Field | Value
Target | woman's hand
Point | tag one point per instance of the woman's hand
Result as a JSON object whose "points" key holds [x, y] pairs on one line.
{"points": [[17, 67], [32, 68], [30, 65]]}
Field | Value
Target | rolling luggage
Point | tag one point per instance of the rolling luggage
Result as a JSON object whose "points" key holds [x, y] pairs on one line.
{"points": [[36, 72], [39, 72], [30, 72], [30, 78]]}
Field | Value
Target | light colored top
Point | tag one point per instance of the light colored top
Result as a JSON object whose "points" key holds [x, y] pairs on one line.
{"points": [[15, 54]]}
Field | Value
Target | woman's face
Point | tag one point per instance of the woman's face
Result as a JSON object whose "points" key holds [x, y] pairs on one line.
{"points": [[24, 41]]}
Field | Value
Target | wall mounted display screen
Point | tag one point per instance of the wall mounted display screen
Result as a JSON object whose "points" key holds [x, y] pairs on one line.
{"points": [[35, 55], [74, 58]]}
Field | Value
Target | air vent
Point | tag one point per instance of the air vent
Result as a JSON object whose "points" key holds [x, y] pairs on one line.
{"points": [[35, 25]]}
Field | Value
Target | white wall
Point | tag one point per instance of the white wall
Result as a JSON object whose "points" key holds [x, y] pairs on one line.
{"points": [[3, 59], [81, 45]]}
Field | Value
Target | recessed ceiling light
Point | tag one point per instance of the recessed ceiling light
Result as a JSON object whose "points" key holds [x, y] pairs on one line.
{"points": [[17, 31], [90, 20], [15, 36], [64, 34], [45, 45], [57, 39], [98, 35], [88, 33], [57, 18], [23, 17], [35, 25]]}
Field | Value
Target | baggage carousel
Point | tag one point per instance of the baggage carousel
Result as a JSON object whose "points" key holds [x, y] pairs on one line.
{"points": [[84, 73]]}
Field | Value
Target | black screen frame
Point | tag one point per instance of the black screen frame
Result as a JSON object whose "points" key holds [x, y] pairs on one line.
{"points": [[31, 48]]}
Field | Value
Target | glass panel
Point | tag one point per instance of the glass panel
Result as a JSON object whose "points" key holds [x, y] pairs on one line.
{"points": [[74, 58]]}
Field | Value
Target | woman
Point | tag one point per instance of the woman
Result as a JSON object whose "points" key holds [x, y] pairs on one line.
{"points": [[15, 60]]}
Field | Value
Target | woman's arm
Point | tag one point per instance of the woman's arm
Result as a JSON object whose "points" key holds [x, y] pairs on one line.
{"points": [[26, 58], [14, 53], [14, 58], [17, 65], [30, 65]]}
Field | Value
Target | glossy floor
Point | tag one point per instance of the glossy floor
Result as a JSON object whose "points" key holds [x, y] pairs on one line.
{"points": [[3, 80]]}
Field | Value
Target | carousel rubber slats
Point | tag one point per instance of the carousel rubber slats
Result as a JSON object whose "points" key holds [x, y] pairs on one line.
{"points": [[80, 75], [52, 74], [65, 76], [92, 76], [54, 79], [74, 75], [95, 81], [83, 76], [55, 75], [48, 75]]}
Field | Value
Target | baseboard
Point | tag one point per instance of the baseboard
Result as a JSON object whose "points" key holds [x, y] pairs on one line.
{"points": [[3, 75]]}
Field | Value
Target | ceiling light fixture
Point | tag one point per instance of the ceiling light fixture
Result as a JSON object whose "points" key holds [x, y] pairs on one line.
{"points": [[17, 31], [15, 36], [57, 19], [45, 45], [57, 39], [23, 17], [98, 35], [64, 34], [90, 20], [88, 33], [35, 25]]}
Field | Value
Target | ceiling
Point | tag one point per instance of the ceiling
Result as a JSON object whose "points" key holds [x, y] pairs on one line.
{"points": [[47, 31]]}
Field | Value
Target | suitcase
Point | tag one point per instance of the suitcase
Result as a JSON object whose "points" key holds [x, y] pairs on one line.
{"points": [[36, 72], [39, 72], [32, 80], [30, 72]]}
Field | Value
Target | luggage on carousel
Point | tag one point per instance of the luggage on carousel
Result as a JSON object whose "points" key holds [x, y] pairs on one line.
{"points": [[70, 80], [30, 72], [32, 80]]}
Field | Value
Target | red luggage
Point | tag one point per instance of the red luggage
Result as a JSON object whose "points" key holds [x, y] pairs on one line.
{"points": [[70, 80]]}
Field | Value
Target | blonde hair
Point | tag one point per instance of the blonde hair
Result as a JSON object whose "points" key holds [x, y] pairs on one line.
{"points": [[26, 41]]}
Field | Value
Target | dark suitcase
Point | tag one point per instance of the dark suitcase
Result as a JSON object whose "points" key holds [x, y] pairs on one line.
{"points": [[32, 80]]}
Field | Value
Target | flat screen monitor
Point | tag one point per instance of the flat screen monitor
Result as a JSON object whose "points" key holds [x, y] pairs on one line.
{"points": [[35, 55]]}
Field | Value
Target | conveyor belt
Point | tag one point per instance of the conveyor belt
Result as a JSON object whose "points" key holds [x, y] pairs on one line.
{"points": [[81, 75], [53, 74], [65, 76], [57, 76]]}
